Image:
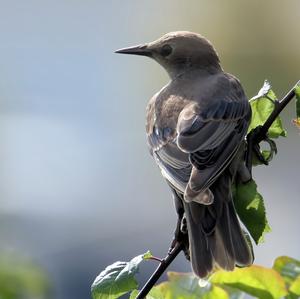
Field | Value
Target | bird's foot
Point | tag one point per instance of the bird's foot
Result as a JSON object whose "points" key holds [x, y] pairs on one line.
{"points": [[253, 146], [181, 236], [265, 157]]}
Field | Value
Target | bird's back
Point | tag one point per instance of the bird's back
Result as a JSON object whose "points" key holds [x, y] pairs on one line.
{"points": [[165, 109]]}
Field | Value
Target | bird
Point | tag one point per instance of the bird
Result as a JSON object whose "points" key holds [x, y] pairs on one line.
{"points": [[196, 127]]}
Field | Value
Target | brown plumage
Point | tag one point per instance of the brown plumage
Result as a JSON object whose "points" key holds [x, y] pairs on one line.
{"points": [[196, 127]]}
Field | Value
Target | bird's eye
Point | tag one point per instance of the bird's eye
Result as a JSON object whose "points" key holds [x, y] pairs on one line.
{"points": [[166, 50]]}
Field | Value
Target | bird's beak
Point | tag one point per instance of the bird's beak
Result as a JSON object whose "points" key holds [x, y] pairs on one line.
{"points": [[136, 50]]}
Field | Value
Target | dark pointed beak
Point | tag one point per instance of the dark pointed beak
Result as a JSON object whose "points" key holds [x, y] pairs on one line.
{"points": [[136, 50]]}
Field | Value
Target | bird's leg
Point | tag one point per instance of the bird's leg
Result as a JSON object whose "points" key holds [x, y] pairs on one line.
{"points": [[183, 227], [181, 233], [253, 140], [177, 233], [180, 215]]}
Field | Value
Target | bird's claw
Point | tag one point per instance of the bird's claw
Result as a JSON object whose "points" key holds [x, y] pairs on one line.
{"points": [[253, 140], [183, 226], [266, 157], [181, 236]]}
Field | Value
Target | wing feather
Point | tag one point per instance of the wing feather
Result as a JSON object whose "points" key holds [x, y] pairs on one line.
{"points": [[212, 134]]}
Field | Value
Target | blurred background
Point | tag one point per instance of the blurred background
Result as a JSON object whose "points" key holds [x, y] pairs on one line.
{"points": [[78, 189]]}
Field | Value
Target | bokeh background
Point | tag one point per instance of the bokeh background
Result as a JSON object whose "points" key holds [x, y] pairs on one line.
{"points": [[78, 189]]}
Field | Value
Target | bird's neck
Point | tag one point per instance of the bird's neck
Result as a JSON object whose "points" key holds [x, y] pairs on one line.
{"points": [[194, 72]]}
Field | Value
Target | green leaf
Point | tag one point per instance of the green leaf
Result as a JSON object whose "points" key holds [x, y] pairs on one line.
{"points": [[148, 255], [155, 293], [118, 278], [233, 293], [186, 286], [133, 294], [181, 285], [257, 281], [288, 267], [20, 278], [216, 292], [295, 287], [297, 93], [250, 207], [262, 106]]}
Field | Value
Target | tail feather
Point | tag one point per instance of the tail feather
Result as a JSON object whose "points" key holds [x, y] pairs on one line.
{"points": [[215, 235], [221, 242], [222, 257], [200, 253], [242, 250]]}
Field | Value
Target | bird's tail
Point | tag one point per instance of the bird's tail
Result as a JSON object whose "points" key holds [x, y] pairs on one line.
{"points": [[215, 235]]}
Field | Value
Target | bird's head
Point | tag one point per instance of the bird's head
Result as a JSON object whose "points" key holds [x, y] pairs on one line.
{"points": [[179, 52]]}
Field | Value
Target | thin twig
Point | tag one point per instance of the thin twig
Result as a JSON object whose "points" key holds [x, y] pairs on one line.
{"points": [[160, 270], [154, 258], [279, 106], [260, 133]]}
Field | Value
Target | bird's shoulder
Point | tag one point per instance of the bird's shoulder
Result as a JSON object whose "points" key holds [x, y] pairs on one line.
{"points": [[216, 97], [215, 87]]}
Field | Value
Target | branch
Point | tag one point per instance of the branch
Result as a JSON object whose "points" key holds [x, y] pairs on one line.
{"points": [[279, 106], [260, 133], [253, 139], [160, 270]]}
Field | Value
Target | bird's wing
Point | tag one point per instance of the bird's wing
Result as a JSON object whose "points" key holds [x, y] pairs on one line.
{"points": [[174, 163], [212, 134]]}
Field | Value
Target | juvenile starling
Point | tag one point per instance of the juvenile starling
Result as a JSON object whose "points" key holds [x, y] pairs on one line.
{"points": [[196, 127]]}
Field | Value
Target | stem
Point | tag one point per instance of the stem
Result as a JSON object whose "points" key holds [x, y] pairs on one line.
{"points": [[160, 270], [154, 258], [260, 133], [279, 106]]}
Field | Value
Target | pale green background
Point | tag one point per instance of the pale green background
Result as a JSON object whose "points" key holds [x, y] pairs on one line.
{"points": [[78, 189]]}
